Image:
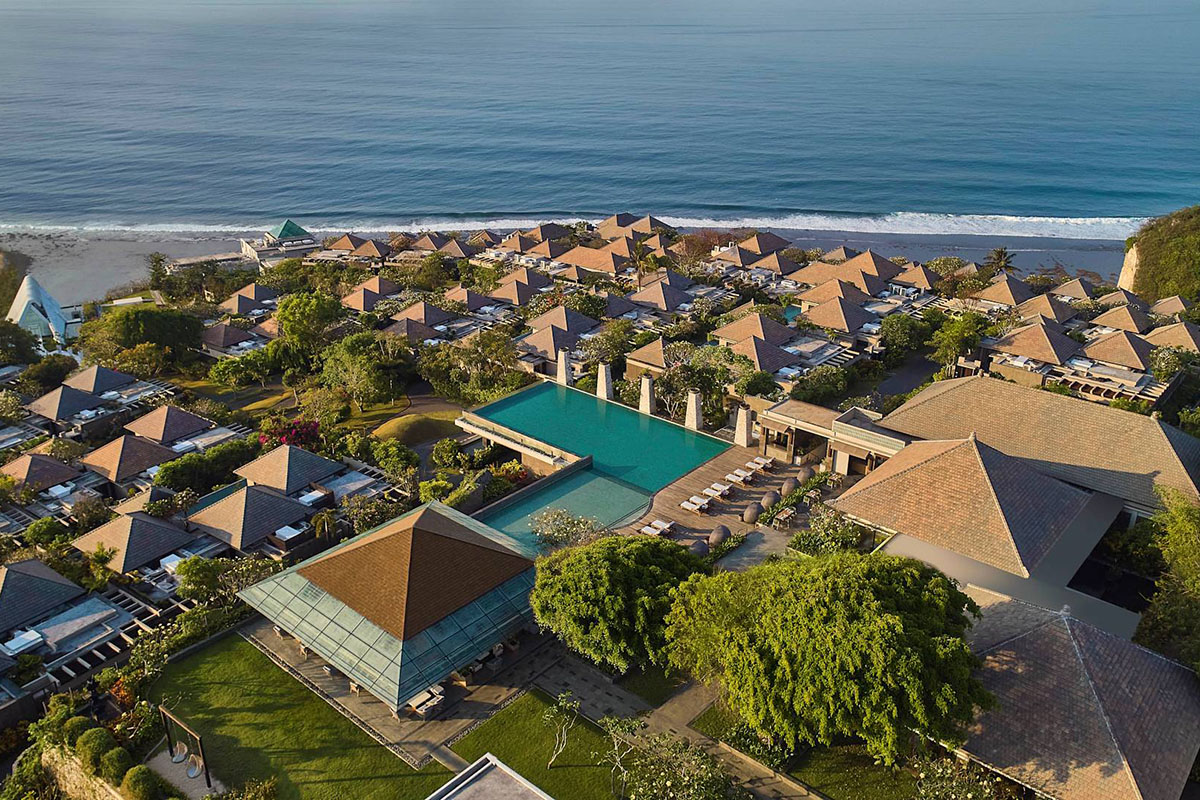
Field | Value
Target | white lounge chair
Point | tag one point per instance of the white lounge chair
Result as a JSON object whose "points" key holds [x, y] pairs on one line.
{"points": [[686, 506], [745, 475], [734, 477], [715, 494], [664, 526], [765, 463], [723, 488], [650, 530], [754, 466]]}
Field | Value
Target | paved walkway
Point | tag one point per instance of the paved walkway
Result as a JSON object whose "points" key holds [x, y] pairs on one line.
{"points": [[598, 696], [760, 543]]}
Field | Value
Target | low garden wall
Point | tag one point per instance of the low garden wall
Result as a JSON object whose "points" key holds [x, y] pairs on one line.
{"points": [[536, 486], [74, 781]]}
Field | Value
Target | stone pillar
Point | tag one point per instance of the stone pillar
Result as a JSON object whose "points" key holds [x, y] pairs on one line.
{"points": [[692, 417], [604, 387], [564, 367], [743, 428], [646, 404]]}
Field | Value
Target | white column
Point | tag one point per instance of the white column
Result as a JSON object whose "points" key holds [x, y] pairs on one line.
{"points": [[604, 387], [743, 428], [564, 367], [646, 404], [692, 417]]}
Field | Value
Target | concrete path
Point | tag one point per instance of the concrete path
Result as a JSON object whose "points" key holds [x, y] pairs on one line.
{"points": [[448, 758], [760, 543], [598, 696]]}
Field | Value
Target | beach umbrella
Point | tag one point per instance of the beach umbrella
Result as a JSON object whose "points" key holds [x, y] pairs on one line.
{"points": [[750, 515], [718, 535], [770, 498], [790, 485], [699, 547]]}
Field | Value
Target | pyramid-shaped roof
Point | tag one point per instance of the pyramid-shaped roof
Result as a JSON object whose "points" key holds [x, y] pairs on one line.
{"points": [[167, 424], [1122, 348], [1181, 334], [518, 243], [670, 277], [372, 248], [256, 291], [835, 288], [38, 471], [430, 241], [918, 276], [362, 300], [1038, 342], [537, 280], [547, 231], [1122, 297], [472, 299], [591, 258], [548, 341], [127, 456], [1126, 318], [776, 262], [36, 310], [872, 263], [574, 274], [419, 596], [1082, 714], [424, 313], [29, 590], [842, 253], [565, 318], [840, 315], [549, 249], [738, 256], [98, 380], [412, 330], [347, 242], [246, 517], [64, 403], [662, 296], [456, 248], [288, 468], [288, 230], [764, 243], [1046, 307], [518, 293], [967, 497], [1077, 289], [240, 304], [1170, 306], [1005, 290], [652, 354], [224, 335], [138, 538], [616, 305], [765, 356], [755, 324], [380, 286], [485, 238], [138, 501], [622, 246]]}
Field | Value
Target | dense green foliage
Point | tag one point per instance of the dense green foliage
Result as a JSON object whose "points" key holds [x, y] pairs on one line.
{"points": [[91, 746], [1168, 251], [606, 600], [821, 384], [46, 375], [104, 339], [482, 369], [870, 647], [958, 337], [17, 345], [205, 471]]}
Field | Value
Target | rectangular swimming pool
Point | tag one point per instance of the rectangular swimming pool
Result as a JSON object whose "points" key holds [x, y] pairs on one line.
{"points": [[633, 454]]}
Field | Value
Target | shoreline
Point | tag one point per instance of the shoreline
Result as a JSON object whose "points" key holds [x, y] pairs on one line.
{"points": [[75, 266]]}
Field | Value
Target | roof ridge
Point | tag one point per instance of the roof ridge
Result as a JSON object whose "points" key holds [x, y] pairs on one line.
{"points": [[1011, 539]]}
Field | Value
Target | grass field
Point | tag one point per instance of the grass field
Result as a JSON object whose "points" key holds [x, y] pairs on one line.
{"points": [[417, 428], [254, 399], [368, 420], [519, 738], [652, 685], [258, 721]]}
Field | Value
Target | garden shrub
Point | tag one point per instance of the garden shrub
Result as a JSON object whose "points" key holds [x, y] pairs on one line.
{"points": [[91, 747], [114, 764], [74, 727], [140, 783]]}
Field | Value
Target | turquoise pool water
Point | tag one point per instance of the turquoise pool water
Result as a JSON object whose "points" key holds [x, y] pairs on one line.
{"points": [[791, 312], [633, 455]]}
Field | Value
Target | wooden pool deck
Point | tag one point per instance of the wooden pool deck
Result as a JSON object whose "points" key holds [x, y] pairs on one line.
{"points": [[728, 512]]}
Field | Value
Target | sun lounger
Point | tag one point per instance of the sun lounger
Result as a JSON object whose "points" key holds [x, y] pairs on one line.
{"points": [[664, 526], [686, 506], [745, 475], [650, 530], [713, 493], [733, 477], [766, 463], [723, 488], [696, 504], [754, 466]]}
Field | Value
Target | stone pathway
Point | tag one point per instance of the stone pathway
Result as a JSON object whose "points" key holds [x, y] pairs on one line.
{"points": [[598, 696], [760, 543]]}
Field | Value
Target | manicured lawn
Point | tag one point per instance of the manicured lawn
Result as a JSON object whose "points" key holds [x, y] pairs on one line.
{"points": [[841, 772], [519, 738], [418, 428], [373, 416], [258, 721], [847, 772], [652, 685], [255, 398]]}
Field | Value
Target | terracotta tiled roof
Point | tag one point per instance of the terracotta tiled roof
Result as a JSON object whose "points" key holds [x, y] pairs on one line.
{"points": [[661, 296], [1006, 290], [457, 249], [414, 571], [835, 288], [839, 315], [650, 354], [565, 318], [765, 357], [38, 471], [755, 324], [548, 231], [424, 313], [64, 403], [967, 497], [347, 242], [777, 263], [1122, 348], [288, 469], [1087, 444], [246, 517], [123, 458], [547, 342], [1181, 334], [1123, 297], [764, 243], [167, 424], [532, 277], [29, 590], [1170, 306], [549, 249], [380, 286], [919, 276], [590, 258], [362, 300], [1077, 289], [1126, 318], [372, 249], [1046, 307], [518, 293], [472, 299], [1082, 714], [430, 241], [1038, 342], [138, 538]]}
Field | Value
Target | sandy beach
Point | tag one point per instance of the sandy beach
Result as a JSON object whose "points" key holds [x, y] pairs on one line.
{"points": [[76, 267]]}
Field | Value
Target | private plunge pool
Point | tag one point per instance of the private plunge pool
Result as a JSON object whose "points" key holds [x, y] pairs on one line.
{"points": [[633, 455]]}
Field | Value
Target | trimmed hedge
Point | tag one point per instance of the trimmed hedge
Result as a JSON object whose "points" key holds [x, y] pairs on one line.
{"points": [[91, 747], [114, 764], [73, 728], [141, 783]]}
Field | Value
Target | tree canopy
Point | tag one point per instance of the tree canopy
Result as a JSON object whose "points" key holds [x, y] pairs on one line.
{"points": [[17, 345], [1168, 250], [103, 339], [305, 318], [845, 645], [607, 600]]}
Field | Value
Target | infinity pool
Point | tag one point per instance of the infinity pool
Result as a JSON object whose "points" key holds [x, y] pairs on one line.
{"points": [[633, 454]]}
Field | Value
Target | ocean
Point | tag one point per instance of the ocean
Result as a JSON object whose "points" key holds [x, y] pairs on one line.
{"points": [[1069, 118]]}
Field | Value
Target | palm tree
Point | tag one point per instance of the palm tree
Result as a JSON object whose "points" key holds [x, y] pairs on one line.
{"points": [[324, 525], [1000, 260], [644, 261]]}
